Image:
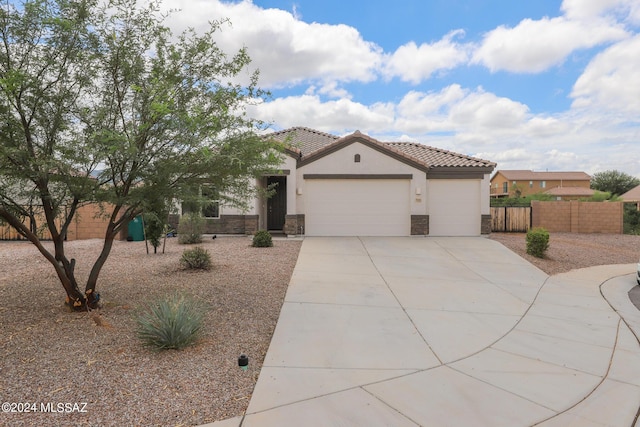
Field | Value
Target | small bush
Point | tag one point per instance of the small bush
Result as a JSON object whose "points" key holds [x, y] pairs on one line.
{"points": [[537, 242], [190, 228], [196, 258], [172, 322], [262, 239]]}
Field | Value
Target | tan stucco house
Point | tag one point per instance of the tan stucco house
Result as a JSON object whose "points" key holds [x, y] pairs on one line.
{"points": [[358, 186], [521, 183]]}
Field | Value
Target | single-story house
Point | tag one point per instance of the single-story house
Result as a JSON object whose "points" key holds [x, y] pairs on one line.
{"points": [[358, 186], [632, 195], [571, 193]]}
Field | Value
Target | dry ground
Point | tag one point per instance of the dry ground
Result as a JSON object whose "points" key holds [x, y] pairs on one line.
{"points": [[569, 251], [50, 355]]}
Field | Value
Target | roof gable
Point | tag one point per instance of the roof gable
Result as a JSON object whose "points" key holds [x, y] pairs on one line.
{"points": [[366, 140], [312, 145]]}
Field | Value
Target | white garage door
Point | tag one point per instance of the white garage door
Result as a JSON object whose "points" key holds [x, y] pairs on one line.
{"points": [[454, 207], [357, 207]]}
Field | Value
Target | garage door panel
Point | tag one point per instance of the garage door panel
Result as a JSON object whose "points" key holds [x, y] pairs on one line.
{"points": [[357, 208], [454, 208]]}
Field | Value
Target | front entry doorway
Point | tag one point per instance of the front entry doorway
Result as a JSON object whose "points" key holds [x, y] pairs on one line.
{"points": [[277, 204]]}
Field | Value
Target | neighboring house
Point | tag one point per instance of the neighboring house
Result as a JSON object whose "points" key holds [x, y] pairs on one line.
{"points": [[521, 183], [632, 195], [358, 186], [570, 193]]}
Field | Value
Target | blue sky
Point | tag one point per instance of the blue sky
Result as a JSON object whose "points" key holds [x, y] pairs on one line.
{"points": [[542, 85]]}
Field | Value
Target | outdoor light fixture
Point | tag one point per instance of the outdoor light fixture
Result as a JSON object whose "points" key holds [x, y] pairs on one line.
{"points": [[418, 191], [243, 362], [299, 191]]}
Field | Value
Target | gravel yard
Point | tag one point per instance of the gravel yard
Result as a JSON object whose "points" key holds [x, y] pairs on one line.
{"points": [[569, 251], [49, 355]]}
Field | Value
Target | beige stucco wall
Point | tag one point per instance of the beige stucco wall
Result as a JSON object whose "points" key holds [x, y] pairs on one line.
{"points": [[371, 162]]}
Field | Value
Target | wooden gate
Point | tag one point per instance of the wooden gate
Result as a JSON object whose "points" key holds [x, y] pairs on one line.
{"points": [[511, 219]]}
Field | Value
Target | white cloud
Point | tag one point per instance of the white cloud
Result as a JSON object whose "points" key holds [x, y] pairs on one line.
{"points": [[287, 50], [482, 110], [611, 81], [536, 45], [452, 110], [587, 9], [336, 116], [413, 63]]}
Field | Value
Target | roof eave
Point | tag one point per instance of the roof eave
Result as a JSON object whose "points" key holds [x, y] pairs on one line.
{"points": [[459, 172]]}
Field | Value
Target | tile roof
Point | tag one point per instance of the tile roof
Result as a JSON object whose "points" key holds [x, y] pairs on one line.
{"points": [[310, 141], [437, 157], [571, 191], [632, 195], [527, 175], [304, 139]]}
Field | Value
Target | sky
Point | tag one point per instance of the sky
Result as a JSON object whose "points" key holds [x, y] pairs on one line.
{"points": [[539, 85]]}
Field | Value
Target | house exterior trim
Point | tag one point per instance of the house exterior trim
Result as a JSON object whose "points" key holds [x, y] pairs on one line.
{"points": [[457, 173], [356, 176]]}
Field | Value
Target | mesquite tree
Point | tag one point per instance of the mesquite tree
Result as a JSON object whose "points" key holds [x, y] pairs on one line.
{"points": [[614, 182], [101, 103]]}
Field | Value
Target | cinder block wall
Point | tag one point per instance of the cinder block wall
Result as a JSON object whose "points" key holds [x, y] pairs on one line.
{"points": [[578, 217], [88, 224]]}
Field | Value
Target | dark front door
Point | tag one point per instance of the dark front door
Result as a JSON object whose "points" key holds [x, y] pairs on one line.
{"points": [[277, 204]]}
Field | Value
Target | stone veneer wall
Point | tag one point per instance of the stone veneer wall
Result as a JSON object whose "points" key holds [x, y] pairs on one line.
{"points": [[485, 224], [294, 225], [226, 224], [419, 225]]}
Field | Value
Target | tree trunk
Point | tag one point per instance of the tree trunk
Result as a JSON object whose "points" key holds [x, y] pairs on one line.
{"points": [[64, 268], [114, 227]]}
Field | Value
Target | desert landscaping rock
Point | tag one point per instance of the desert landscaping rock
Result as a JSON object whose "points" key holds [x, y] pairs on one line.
{"points": [[570, 251], [48, 354]]}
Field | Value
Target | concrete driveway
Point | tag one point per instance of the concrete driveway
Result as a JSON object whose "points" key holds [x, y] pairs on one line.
{"points": [[447, 332]]}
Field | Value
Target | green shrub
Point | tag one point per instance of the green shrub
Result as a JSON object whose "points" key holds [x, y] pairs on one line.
{"points": [[153, 229], [190, 228], [537, 242], [196, 258], [172, 322], [631, 219], [262, 239]]}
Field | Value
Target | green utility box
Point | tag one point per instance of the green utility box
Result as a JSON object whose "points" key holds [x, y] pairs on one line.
{"points": [[136, 229]]}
